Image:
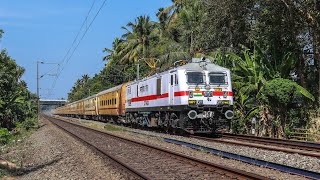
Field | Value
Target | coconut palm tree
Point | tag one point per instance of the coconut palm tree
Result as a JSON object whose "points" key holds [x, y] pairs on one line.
{"points": [[170, 14], [84, 79], [117, 45], [137, 39]]}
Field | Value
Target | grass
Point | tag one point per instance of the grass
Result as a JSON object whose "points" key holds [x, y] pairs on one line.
{"points": [[21, 132], [110, 127]]}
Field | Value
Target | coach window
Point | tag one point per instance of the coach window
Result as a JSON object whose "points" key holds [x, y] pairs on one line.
{"points": [[146, 87], [171, 80], [115, 101]]}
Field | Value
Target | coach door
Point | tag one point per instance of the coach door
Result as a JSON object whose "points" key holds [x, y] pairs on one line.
{"points": [[171, 89]]}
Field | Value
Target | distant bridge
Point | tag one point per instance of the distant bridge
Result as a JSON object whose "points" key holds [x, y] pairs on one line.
{"points": [[49, 104]]}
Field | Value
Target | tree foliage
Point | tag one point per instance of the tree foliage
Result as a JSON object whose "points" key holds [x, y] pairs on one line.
{"points": [[17, 104], [258, 40]]}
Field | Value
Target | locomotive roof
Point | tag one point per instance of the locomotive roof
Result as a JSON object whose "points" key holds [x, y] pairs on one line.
{"points": [[110, 90], [198, 64]]}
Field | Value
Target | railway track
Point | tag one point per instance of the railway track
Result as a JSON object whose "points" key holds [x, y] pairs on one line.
{"points": [[292, 143], [150, 162], [312, 152]]}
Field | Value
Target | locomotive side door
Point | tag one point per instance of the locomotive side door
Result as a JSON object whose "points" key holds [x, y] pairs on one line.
{"points": [[171, 89]]}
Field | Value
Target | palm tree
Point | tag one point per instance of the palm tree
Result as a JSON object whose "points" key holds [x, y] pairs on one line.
{"points": [[84, 79], [170, 13], [137, 39], [117, 46]]}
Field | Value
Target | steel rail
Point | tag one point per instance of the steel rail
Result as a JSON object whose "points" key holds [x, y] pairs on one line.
{"points": [[291, 151], [237, 172], [283, 168], [132, 170], [293, 144]]}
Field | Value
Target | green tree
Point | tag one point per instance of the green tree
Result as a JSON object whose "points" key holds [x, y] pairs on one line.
{"points": [[279, 95], [137, 39]]}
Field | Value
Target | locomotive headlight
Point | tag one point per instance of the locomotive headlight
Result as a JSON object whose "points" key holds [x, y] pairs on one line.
{"points": [[190, 94], [223, 102], [208, 87]]}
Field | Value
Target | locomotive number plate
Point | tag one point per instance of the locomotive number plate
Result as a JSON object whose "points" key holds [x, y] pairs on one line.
{"points": [[192, 102], [217, 89]]}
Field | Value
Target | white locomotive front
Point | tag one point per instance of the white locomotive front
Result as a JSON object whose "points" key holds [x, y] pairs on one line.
{"points": [[195, 97]]}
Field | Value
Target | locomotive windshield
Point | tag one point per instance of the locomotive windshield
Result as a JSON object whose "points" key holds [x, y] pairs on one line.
{"points": [[217, 78], [195, 77]]}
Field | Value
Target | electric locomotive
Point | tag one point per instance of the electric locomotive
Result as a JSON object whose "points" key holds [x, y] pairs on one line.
{"points": [[195, 97]]}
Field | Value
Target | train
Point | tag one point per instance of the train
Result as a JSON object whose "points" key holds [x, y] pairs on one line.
{"points": [[194, 97]]}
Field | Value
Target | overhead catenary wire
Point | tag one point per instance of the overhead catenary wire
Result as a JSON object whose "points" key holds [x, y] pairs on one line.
{"points": [[66, 60], [76, 37]]}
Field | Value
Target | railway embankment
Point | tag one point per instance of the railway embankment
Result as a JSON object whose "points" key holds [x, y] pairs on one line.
{"points": [[156, 139], [50, 153]]}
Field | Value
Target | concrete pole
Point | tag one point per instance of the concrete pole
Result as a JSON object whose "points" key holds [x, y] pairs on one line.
{"points": [[38, 95]]}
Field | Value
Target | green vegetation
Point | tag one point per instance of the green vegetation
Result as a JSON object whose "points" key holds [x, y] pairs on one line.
{"points": [[111, 127], [17, 104], [271, 47]]}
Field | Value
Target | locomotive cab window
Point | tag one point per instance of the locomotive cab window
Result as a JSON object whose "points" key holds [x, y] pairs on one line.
{"points": [[218, 78], [195, 77]]}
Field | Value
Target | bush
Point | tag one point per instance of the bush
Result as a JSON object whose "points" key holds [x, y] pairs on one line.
{"points": [[29, 123], [4, 136]]}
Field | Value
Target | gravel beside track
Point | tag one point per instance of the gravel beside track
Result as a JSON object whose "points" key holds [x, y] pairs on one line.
{"points": [[294, 160], [129, 133], [50, 153], [154, 163]]}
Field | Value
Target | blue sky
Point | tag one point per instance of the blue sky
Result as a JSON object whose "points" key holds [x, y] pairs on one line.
{"points": [[43, 30]]}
